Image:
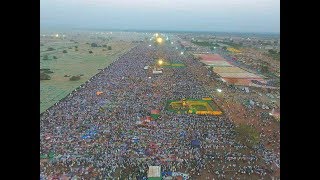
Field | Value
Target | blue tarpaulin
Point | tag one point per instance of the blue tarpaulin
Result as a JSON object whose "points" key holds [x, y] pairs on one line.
{"points": [[182, 134], [135, 139], [195, 143], [90, 133], [166, 173]]}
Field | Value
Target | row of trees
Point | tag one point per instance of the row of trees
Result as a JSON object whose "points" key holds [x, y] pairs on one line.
{"points": [[205, 43], [96, 45], [232, 44]]}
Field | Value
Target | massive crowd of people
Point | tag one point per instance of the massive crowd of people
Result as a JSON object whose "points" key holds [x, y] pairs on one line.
{"points": [[95, 136]]}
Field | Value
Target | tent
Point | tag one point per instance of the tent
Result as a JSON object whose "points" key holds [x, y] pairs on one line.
{"points": [[195, 143], [154, 172]]}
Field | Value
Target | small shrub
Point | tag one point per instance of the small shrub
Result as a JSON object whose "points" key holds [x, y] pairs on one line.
{"points": [[90, 52], [54, 57], [44, 76], [94, 45], [50, 49], [109, 47], [48, 71], [74, 78], [45, 57], [64, 51]]}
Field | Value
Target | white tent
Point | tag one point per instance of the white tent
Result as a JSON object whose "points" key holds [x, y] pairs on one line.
{"points": [[154, 171], [157, 72]]}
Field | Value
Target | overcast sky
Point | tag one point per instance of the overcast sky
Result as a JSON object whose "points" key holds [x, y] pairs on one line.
{"points": [[185, 15]]}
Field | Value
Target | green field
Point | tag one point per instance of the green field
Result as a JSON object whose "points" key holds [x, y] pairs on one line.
{"points": [[73, 63], [197, 107]]}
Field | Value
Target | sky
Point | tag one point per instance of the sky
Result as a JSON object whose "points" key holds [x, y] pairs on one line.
{"points": [[174, 15]]}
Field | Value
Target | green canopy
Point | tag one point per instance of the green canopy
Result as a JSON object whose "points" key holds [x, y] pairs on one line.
{"points": [[51, 155], [155, 116], [193, 110], [43, 156]]}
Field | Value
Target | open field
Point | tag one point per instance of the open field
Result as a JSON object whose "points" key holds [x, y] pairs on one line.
{"points": [[239, 144], [73, 63]]}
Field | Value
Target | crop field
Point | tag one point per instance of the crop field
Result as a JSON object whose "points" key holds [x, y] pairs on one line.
{"points": [[73, 63]]}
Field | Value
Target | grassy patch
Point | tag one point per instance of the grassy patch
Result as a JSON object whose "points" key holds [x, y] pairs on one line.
{"points": [[71, 64], [247, 135]]}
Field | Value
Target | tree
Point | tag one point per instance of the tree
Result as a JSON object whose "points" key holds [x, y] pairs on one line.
{"points": [[90, 52], [50, 49], [94, 45], [54, 57], [109, 48], [224, 47], [74, 78], [271, 51], [45, 57], [44, 76], [64, 51]]}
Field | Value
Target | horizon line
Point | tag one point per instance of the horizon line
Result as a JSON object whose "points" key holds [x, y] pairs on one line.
{"points": [[158, 30]]}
